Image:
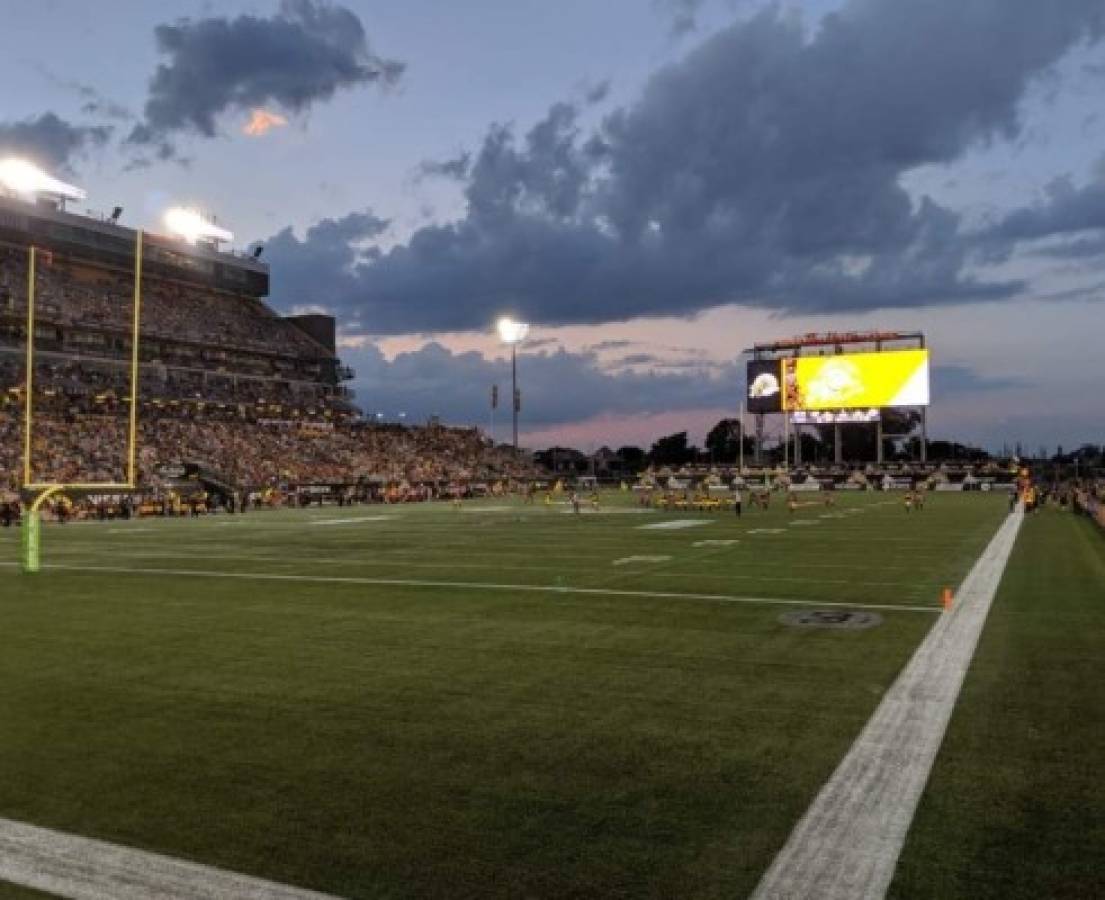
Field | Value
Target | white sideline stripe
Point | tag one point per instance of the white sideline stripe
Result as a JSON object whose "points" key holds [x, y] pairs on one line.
{"points": [[480, 586], [847, 844], [85, 869], [350, 521]]}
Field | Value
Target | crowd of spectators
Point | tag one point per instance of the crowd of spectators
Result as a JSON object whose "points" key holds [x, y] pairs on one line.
{"points": [[1089, 498], [68, 293], [226, 386], [77, 385], [254, 454]]}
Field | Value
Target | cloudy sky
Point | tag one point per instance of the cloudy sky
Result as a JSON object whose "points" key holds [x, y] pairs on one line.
{"points": [[653, 184]]}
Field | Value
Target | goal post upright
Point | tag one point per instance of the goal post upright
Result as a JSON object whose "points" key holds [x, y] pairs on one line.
{"points": [[31, 543], [28, 400], [132, 430]]}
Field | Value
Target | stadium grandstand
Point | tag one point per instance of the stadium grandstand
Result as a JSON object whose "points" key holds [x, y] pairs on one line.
{"points": [[233, 397]]}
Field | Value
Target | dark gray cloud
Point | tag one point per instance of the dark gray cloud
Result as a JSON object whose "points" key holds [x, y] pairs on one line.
{"points": [[557, 387], [304, 54], [1065, 210], [50, 140], [763, 169], [683, 14], [457, 167], [538, 343], [1067, 223], [1084, 248], [93, 101], [597, 93], [329, 250], [952, 380], [638, 359]]}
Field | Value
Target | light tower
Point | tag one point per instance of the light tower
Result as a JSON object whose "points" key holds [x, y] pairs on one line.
{"points": [[513, 333]]}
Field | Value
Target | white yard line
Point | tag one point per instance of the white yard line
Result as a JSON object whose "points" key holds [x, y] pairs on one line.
{"points": [[84, 869], [480, 586], [191, 549], [350, 521], [846, 846]]}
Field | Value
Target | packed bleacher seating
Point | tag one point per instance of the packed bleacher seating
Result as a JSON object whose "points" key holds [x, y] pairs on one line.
{"points": [[252, 454], [75, 384], [68, 293]]}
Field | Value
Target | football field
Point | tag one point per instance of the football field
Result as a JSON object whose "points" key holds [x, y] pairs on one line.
{"points": [[496, 700]]}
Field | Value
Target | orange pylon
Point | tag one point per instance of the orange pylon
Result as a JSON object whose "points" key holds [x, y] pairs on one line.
{"points": [[946, 598]]}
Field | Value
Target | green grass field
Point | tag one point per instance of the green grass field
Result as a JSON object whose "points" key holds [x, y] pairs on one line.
{"points": [[1015, 809], [499, 700]]}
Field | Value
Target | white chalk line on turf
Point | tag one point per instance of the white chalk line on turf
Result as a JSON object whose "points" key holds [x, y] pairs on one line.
{"points": [[847, 844], [353, 520], [138, 556], [85, 869], [481, 586], [72, 555]]}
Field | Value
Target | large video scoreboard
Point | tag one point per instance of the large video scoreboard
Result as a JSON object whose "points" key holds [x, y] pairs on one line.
{"points": [[842, 381]]}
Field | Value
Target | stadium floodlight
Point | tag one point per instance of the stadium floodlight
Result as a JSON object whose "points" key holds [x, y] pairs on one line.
{"points": [[25, 178], [191, 226], [512, 334]]}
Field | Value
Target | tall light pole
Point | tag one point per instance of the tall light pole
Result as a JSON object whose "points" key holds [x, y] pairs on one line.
{"points": [[513, 333]]}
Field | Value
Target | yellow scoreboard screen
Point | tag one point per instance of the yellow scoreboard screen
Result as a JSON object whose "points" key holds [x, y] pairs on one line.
{"points": [[856, 380]]}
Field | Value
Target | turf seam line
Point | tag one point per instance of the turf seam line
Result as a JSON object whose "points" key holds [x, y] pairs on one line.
{"points": [[485, 586], [847, 844], [82, 868]]}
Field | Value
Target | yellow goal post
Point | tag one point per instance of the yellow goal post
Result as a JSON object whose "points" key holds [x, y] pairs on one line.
{"points": [[43, 490]]}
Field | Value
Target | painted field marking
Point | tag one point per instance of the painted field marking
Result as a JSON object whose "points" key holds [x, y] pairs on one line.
{"points": [[384, 561], [766, 530], [475, 585], [805, 522], [847, 844], [529, 567], [630, 560], [84, 869], [674, 524], [133, 530], [351, 521], [715, 543], [610, 511]]}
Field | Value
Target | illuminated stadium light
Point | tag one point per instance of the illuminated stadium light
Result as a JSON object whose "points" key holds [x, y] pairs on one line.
{"points": [[25, 178], [511, 332], [191, 226]]}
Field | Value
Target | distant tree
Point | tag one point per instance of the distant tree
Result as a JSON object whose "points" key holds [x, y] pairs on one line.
{"points": [[814, 450], [954, 451], [723, 441], [672, 450], [857, 442], [563, 460], [633, 458]]}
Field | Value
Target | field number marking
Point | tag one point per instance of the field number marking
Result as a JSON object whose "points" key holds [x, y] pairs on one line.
{"points": [[630, 560]]}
